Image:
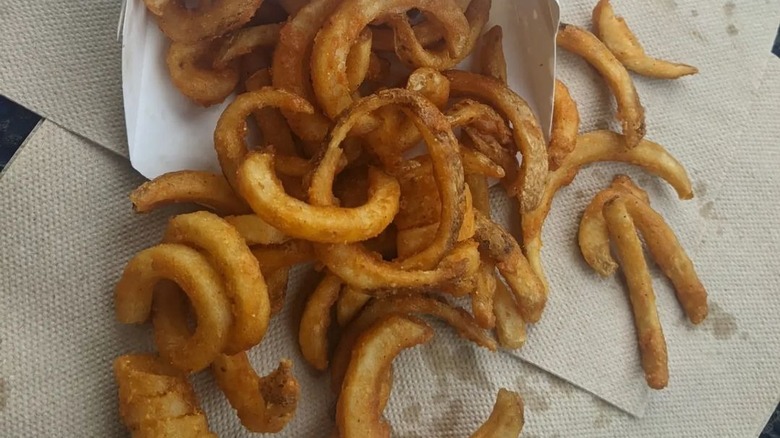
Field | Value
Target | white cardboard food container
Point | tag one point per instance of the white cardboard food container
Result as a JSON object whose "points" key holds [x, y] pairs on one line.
{"points": [[155, 110]]}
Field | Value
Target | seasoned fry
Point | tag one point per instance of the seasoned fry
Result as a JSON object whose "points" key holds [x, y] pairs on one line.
{"points": [[315, 321], [491, 54], [358, 60], [276, 280], [510, 326], [229, 135], [593, 237], [357, 413], [498, 244], [482, 297], [209, 20], [291, 65], [273, 127], [630, 112], [525, 129], [188, 186], [189, 352], [263, 404], [205, 86], [350, 303], [652, 344], [443, 150], [156, 399], [595, 147], [261, 188], [328, 62], [415, 55], [245, 41], [507, 418], [230, 255], [622, 42], [661, 241], [565, 126]]}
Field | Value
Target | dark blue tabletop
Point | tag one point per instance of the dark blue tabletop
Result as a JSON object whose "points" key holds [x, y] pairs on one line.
{"points": [[17, 122]]}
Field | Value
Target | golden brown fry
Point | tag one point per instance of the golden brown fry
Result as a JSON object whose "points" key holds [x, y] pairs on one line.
{"points": [[510, 326], [506, 419], [244, 41], [315, 321], [357, 413], [482, 297], [491, 54], [328, 62], [292, 69], [256, 231], [229, 134], [358, 60], [285, 255], [593, 237], [594, 147], [262, 189], [273, 127], [205, 86], [477, 163], [526, 131], [209, 20], [263, 404], [489, 146], [411, 52], [204, 188], [622, 42], [366, 270], [480, 117], [276, 280], [230, 255], [196, 277], [502, 248], [447, 168], [350, 303], [565, 126], [660, 239], [652, 344], [459, 319], [155, 398], [630, 112]]}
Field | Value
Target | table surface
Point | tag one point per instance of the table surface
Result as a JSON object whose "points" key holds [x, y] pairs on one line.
{"points": [[16, 123]]}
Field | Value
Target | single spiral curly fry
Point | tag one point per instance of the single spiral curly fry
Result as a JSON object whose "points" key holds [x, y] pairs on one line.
{"points": [[261, 188], [203, 285], [360, 404], [229, 254], [263, 404], [191, 71]]}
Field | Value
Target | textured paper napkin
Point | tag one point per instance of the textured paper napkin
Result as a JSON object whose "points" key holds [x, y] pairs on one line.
{"points": [[67, 234], [698, 119]]}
